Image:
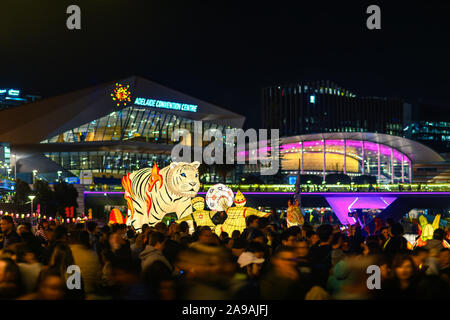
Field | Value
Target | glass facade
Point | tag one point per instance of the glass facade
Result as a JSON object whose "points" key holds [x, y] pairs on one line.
{"points": [[353, 157], [134, 123], [131, 123]]}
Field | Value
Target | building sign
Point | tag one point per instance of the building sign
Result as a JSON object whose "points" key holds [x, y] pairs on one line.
{"points": [[165, 104], [72, 180]]}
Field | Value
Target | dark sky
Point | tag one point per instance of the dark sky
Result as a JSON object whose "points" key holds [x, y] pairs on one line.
{"points": [[224, 52]]}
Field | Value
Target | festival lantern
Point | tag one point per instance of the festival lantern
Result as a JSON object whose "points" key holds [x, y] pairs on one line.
{"points": [[294, 216], [200, 216], [219, 197], [236, 215], [167, 190]]}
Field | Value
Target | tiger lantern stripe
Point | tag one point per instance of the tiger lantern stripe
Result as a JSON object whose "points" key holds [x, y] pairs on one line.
{"points": [[152, 193]]}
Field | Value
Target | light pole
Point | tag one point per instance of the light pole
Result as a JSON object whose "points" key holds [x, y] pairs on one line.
{"points": [[34, 176], [15, 166], [31, 198]]}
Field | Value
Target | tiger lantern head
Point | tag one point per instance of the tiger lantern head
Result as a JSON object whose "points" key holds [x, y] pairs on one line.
{"points": [[239, 199], [183, 179], [198, 203]]}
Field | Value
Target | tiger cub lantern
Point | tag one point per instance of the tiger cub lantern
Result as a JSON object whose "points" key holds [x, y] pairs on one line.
{"points": [[151, 193], [294, 216]]}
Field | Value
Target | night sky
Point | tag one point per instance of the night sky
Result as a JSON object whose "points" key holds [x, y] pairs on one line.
{"points": [[224, 52]]}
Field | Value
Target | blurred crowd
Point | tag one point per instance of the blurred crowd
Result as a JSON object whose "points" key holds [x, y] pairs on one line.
{"points": [[264, 261]]}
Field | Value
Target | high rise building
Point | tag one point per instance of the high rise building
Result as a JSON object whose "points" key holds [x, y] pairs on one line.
{"points": [[322, 106]]}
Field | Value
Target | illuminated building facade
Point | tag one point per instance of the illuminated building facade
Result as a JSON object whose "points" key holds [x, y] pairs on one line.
{"points": [[322, 106], [109, 129], [389, 159], [14, 97]]}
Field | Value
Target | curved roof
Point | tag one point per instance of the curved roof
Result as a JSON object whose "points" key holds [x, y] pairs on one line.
{"points": [[34, 122], [414, 150]]}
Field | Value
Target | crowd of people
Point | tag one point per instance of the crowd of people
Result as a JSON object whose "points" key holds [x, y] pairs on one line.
{"points": [[264, 261]]}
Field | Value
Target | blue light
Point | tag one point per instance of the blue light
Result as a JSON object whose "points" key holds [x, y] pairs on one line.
{"points": [[166, 104], [292, 180], [312, 99], [12, 92]]}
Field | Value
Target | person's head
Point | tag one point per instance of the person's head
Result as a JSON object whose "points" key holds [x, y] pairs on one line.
{"points": [[397, 230], [10, 279], [250, 263], [162, 227], [157, 240], [439, 234], [23, 253], [285, 262], [51, 285], [287, 238], [336, 240], [59, 234], [324, 232], [21, 229], [125, 271], [312, 237], [43, 224], [235, 234], [121, 229], [115, 241], [91, 226], [257, 248], [252, 222], [444, 258], [258, 236], [184, 227], [384, 232], [301, 248], [372, 246], [7, 224], [403, 267], [61, 258], [205, 235], [144, 228], [419, 256]]}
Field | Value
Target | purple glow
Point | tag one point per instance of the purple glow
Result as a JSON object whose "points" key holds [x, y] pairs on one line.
{"points": [[345, 204], [368, 146]]}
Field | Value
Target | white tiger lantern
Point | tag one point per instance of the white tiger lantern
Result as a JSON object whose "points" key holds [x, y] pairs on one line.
{"points": [[152, 193]]}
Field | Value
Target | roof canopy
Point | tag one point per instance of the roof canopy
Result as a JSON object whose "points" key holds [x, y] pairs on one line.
{"points": [[35, 122], [414, 150]]}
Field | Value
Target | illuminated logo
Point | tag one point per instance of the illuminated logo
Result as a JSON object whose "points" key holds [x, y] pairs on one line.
{"points": [[121, 94], [165, 104]]}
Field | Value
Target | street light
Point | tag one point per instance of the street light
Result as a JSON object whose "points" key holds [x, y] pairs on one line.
{"points": [[31, 198], [34, 175]]}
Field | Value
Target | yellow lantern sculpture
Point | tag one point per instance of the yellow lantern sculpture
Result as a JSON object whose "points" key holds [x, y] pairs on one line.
{"points": [[236, 216], [200, 216]]}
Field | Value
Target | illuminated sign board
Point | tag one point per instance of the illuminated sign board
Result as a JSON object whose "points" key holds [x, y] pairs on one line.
{"points": [[11, 92], [165, 104]]}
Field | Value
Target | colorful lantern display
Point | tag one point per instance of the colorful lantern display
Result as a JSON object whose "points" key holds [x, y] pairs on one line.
{"points": [[152, 193], [116, 217], [294, 216], [236, 216], [219, 197], [200, 216]]}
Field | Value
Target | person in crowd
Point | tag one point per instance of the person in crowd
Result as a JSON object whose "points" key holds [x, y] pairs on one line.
{"points": [[9, 235], [86, 259], [154, 251], [320, 253], [250, 266], [42, 232], [403, 284], [29, 266], [397, 243], [282, 281], [51, 286], [10, 279]]}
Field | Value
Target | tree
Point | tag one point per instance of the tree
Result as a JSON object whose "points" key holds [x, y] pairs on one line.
{"points": [[22, 192], [65, 196], [45, 197]]}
